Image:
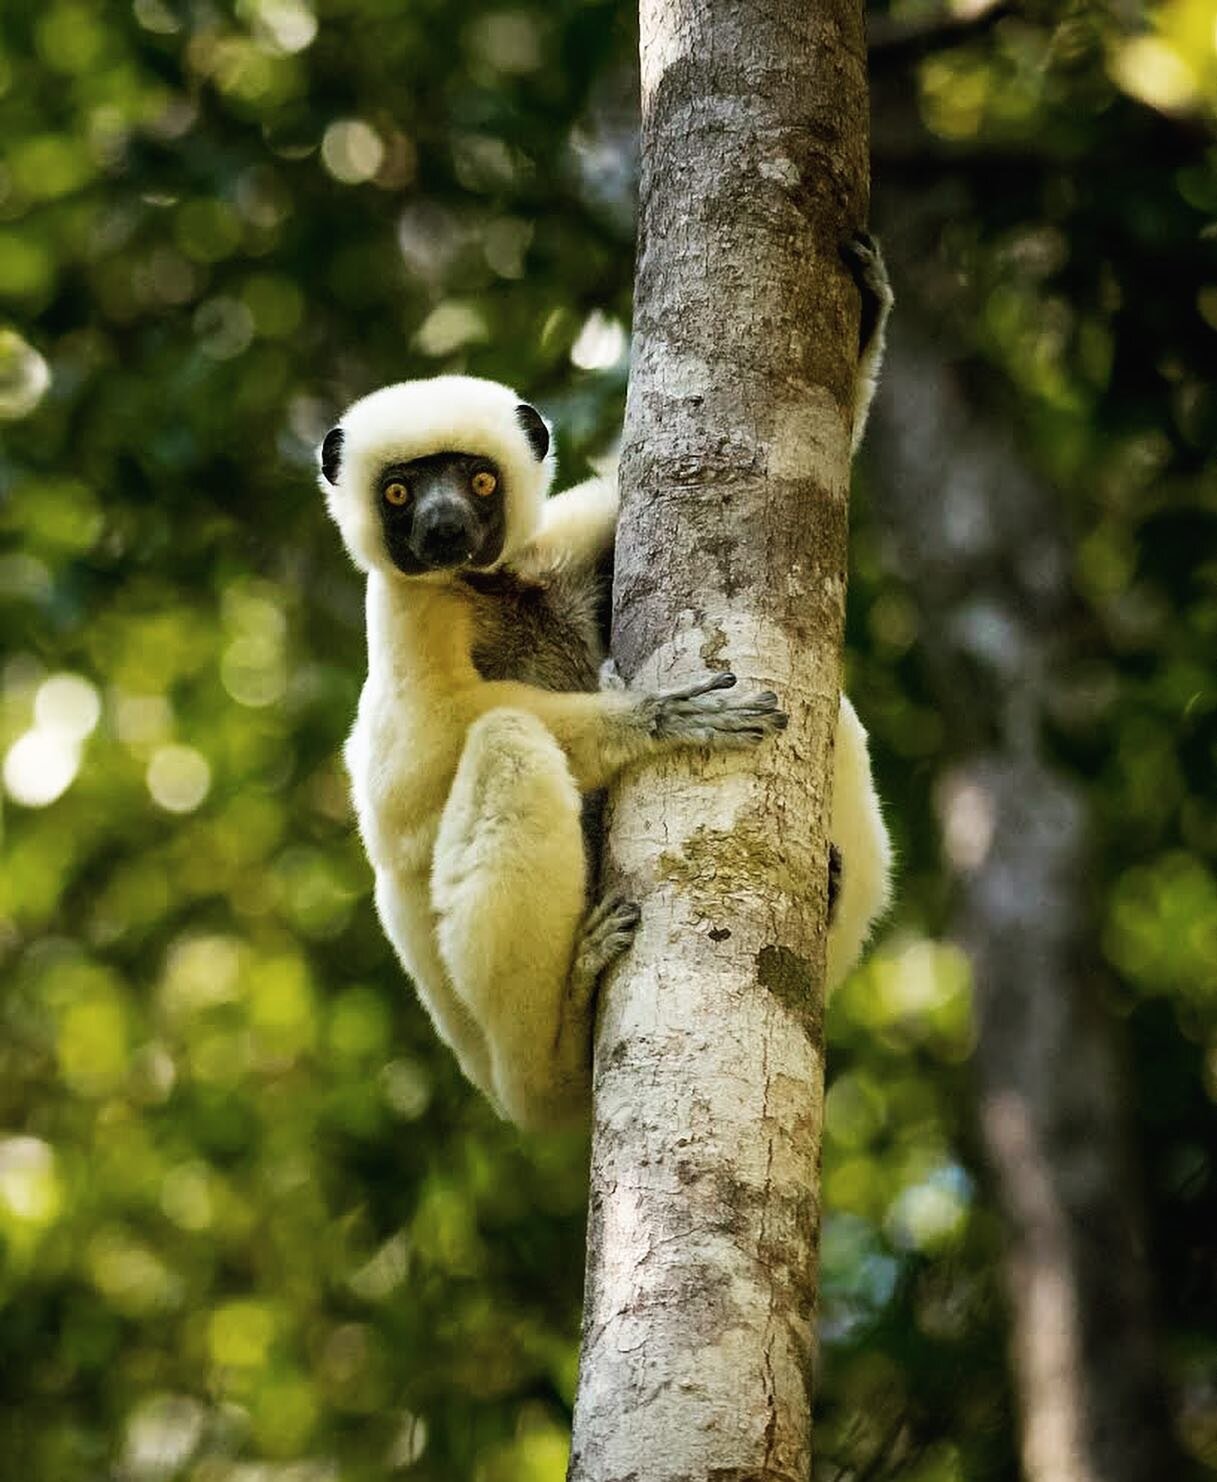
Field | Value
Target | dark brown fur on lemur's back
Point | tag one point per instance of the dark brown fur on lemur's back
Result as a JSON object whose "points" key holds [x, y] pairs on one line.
{"points": [[549, 629], [544, 629]]}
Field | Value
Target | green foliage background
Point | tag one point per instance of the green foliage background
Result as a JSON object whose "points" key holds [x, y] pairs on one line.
{"points": [[253, 1228]]}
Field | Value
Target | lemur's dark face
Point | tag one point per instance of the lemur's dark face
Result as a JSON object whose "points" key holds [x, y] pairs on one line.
{"points": [[442, 513], [426, 513]]}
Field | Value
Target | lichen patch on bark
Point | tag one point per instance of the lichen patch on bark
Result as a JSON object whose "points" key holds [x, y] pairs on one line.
{"points": [[717, 866]]}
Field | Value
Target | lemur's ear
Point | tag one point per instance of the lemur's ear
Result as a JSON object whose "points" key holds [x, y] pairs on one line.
{"points": [[535, 429], [331, 454]]}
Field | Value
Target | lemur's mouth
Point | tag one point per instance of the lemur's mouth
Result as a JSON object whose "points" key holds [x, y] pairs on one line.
{"points": [[447, 563], [463, 558]]}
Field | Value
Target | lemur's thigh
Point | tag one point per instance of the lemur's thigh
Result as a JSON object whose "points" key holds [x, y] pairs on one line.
{"points": [[509, 888]]}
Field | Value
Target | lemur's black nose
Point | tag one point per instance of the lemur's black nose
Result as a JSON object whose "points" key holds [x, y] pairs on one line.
{"points": [[443, 536]]}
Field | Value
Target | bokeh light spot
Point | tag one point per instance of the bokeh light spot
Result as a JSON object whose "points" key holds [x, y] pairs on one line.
{"points": [[352, 151], [450, 326], [30, 1192], [600, 344], [162, 1434], [253, 672], [507, 41], [39, 767], [225, 327], [67, 705], [186, 1196], [409, 1442], [178, 778], [130, 1275], [24, 376], [1151, 69], [288, 26]]}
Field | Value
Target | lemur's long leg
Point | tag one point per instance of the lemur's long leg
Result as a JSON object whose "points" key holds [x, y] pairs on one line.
{"points": [[509, 890]]}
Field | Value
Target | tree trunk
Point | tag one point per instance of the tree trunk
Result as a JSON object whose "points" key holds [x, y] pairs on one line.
{"points": [[702, 1242], [982, 545]]}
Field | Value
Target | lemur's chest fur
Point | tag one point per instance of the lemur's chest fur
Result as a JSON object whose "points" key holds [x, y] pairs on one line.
{"points": [[545, 630]]}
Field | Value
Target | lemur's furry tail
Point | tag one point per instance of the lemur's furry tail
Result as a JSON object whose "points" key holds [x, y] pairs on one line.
{"points": [[861, 839]]}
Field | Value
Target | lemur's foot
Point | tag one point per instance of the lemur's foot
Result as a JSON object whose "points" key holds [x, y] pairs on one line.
{"points": [[835, 872], [864, 258], [703, 716], [607, 930]]}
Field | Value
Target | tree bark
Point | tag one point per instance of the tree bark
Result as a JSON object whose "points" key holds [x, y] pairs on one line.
{"points": [[981, 542], [700, 1302]]}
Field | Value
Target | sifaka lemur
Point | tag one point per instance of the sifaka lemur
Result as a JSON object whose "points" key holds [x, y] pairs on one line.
{"points": [[485, 722]]}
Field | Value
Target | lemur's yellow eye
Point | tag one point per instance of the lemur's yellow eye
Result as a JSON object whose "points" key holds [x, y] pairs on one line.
{"points": [[396, 493], [483, 482]]}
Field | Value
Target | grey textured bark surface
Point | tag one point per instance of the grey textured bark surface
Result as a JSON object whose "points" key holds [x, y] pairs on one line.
{"points": [[700, 1303], [982, 543]]}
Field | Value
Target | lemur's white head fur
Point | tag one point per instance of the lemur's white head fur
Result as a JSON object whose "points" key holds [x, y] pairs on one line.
{"points": [[412, 419]]}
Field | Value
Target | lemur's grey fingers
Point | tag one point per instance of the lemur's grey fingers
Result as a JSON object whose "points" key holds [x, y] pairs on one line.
{"points": [[755, 717], [706, 702], [613, 908], [706, 686], [724, 736], [712, 719]]}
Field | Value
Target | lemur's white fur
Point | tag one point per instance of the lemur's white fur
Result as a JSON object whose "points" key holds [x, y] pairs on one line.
{"points": [[468, 791], [577, 526]]}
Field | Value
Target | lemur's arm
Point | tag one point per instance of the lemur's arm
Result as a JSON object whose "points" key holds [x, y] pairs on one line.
{"points": [[865, 261], [577, 527], [602, 732]]}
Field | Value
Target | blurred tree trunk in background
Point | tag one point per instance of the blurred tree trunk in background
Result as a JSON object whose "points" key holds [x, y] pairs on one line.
{"points": [[699, 1317], [983, 546]]}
